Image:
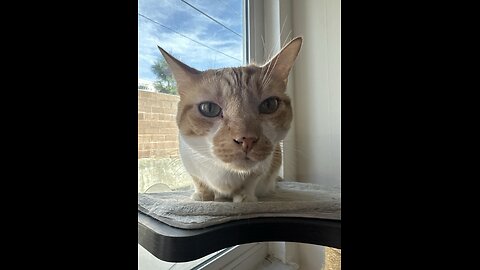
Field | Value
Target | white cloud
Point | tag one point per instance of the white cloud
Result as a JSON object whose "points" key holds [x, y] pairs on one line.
{"points": [[150, 35]]}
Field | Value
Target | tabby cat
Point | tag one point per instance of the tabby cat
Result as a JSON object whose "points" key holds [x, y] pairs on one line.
{"points": [[231, 121]]}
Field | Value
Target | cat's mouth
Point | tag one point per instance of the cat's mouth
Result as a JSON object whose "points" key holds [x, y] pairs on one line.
{"points": [[238, 159], [243, 164]]}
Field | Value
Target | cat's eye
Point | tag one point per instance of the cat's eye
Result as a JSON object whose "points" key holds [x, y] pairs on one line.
{"points": [[269, 105], [209, 109]]}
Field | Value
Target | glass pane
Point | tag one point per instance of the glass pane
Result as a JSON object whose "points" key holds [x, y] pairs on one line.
{"points": [[202, 33]]}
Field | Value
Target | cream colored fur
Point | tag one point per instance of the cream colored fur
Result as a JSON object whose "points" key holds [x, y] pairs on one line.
{"points": [[236, 154]]}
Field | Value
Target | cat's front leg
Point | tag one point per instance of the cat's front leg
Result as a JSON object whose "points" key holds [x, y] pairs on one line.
{"points": [[243, 197], [222, 197], [247, 194], [202, 192]]}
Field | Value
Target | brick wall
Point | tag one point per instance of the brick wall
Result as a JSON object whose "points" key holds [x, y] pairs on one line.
{"points": [[157, 129]]}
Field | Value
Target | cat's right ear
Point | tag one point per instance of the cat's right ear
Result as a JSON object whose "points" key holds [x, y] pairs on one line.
{"points": [[184, 75], [280, 65]]}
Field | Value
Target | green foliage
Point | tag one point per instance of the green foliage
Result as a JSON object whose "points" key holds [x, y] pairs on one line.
{"points": [[165, 82]]}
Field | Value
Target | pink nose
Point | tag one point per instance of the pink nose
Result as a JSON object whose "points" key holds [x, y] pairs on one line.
{"points": [[246, 142]]}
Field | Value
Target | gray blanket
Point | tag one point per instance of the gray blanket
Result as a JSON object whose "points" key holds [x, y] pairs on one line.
{"points": [[291, 199]]}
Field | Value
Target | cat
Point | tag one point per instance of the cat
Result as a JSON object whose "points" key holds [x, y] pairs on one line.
{"points": [[231, 122]]}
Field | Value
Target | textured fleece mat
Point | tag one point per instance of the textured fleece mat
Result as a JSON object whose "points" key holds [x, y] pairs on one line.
{"points": [[291, 199]]}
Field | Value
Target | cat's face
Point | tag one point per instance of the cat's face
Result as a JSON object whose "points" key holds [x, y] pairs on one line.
{"points": [[235, 116], [231, 116]]}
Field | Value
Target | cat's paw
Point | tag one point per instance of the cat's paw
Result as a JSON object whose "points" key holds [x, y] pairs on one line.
{"points": [[198, 196], [244, 198], [221, 198]]}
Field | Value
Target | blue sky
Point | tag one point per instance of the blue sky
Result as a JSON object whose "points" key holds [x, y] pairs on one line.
{"points": [[177, 15]]}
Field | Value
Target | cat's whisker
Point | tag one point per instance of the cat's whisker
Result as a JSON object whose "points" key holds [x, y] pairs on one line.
{"points": [[287, 38], [294, 148], [277, 43], [271, 72], [268, 82], [263, 42], [267, 72], [267, 77]]}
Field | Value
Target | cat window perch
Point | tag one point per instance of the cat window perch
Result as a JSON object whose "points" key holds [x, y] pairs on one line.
{"points": [[175, 228]]}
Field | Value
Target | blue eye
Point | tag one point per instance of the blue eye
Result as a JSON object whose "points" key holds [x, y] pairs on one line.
{"points": [[269, 105], [209, 109]]}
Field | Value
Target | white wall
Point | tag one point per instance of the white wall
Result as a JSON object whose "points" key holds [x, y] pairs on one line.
{"points": [[317, 104], [317, 91], [312, 147]]}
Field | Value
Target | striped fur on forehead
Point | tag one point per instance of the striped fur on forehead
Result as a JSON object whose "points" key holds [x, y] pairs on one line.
{"points": [[244, 77], [241, 81], [238, 91]]}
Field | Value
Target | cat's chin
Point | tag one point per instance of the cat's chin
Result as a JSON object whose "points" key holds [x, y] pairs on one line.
{"points": [[242, 165]]}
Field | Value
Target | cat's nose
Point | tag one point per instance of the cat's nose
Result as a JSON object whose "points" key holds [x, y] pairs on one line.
{"points": [[246, 142]]}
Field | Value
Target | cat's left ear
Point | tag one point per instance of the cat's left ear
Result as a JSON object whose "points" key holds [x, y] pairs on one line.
{"points": [[281, 64], [184, 75]]}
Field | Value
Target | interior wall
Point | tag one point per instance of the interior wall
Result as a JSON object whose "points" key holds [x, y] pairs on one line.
{"points": [[312, 147], [317, 104], [317, 91]]}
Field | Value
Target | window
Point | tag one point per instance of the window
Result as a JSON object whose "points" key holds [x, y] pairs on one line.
{"points": [[204, 34]]}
